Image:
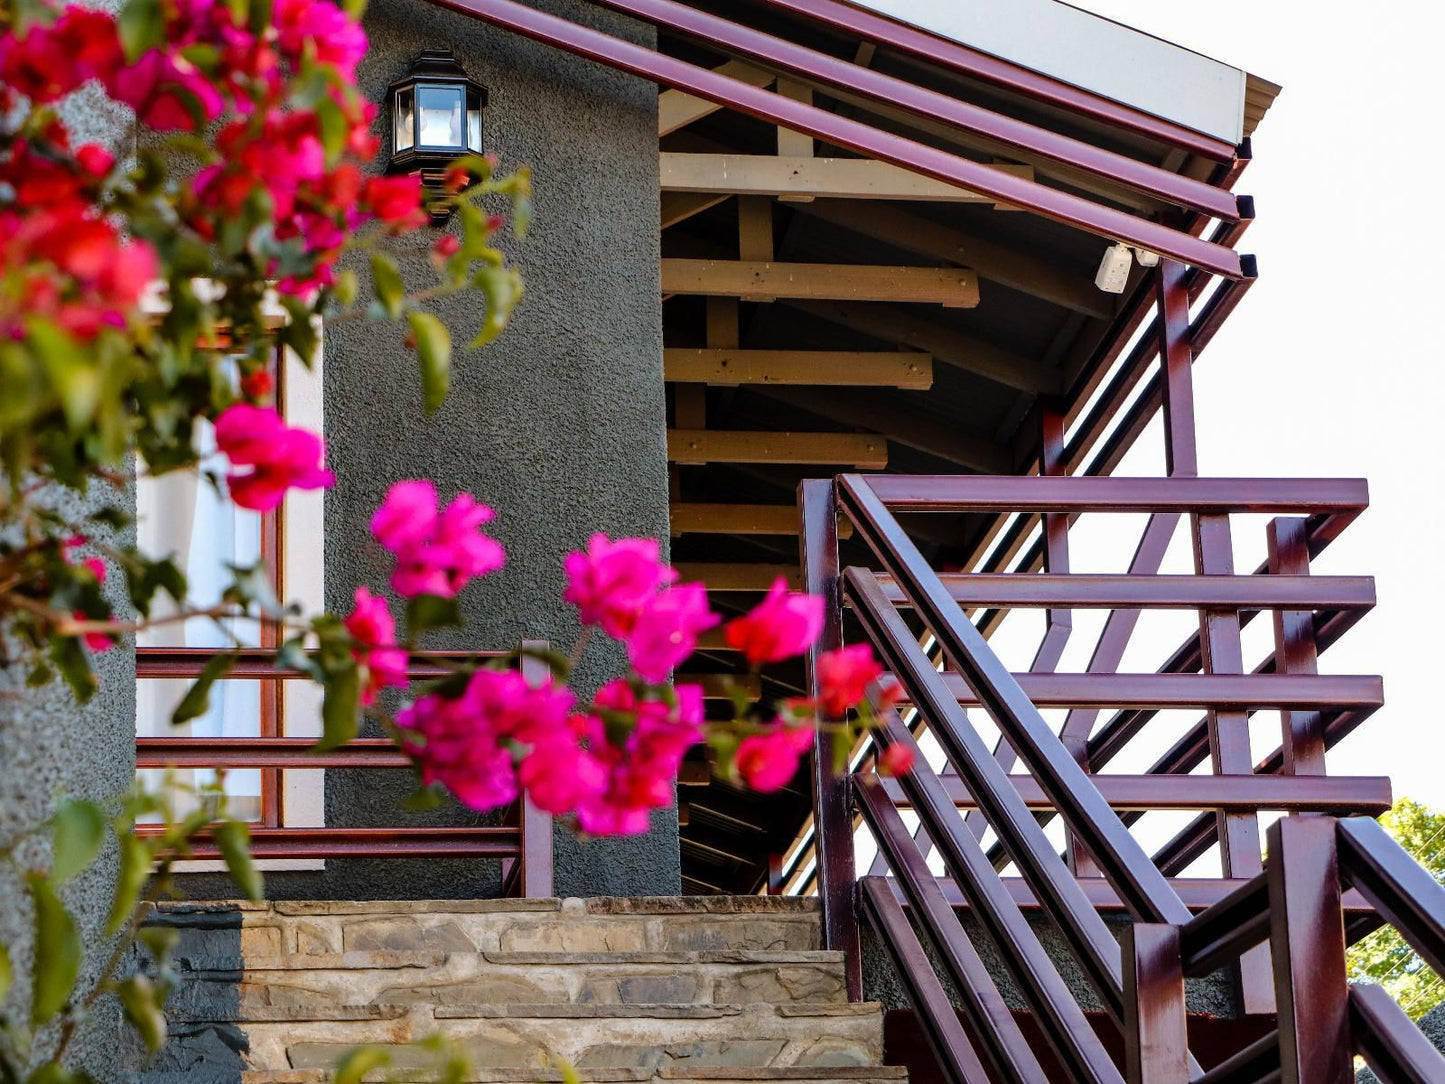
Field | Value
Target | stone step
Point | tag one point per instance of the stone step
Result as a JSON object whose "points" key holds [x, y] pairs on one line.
{"points": [[853, 1074], [364, 978], [590, 1037], [605, 924]]}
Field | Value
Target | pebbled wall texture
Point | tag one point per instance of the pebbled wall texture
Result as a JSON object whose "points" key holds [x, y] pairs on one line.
{"points": [[559, 424], [52, 748]]}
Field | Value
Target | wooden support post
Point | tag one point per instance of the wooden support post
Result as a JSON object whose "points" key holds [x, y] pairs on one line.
{"points": [[1218, 629], [1295, 651], [832, 811], [793, 144], [1155, 1033], [1307, 936]]}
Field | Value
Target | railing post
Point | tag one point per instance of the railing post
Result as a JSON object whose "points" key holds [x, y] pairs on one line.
{"points": [[1307, 938], [1218, 629], [536, 859], [1302, 734], [1155, 1034], [832, 812]]}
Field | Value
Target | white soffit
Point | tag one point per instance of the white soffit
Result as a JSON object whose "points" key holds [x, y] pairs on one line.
{"points": [[1090, 52]]}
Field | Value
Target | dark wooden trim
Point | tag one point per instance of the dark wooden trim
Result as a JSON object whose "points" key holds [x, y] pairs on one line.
{"points": [[333, 842]]}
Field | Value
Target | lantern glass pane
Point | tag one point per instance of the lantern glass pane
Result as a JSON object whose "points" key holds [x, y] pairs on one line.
{"points": [[474, 128], [403, 121], [441, 116]]}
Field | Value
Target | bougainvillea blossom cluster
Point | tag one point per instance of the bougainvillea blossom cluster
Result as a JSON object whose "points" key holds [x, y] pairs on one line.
{"points": [[613, 760], [438, 551], [298, 152]]}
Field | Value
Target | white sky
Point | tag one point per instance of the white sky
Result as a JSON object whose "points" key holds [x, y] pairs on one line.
{"points": [[1331, 366]]}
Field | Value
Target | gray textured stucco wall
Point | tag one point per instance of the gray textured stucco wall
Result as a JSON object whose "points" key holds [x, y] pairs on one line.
{"points": [[50, 747], [559, 424]]}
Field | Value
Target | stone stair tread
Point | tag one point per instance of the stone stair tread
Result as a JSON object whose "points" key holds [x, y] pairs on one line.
{"points": [[595, 906], [385, 959], [675, 1074], [286, 1014], [665, 1011]]}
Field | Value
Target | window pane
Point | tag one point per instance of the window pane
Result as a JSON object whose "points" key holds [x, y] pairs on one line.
{"points": [[234, 712], [404, 120], [441, 115], [181, 515]]}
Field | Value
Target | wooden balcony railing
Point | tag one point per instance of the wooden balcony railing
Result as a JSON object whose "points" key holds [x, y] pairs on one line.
{"points": [[1176, 926], [523, 842]]}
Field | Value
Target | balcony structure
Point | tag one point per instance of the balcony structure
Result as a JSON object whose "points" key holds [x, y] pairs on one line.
{"points": [[889, 377]]}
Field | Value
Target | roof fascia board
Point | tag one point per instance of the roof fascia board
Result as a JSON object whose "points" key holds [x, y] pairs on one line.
{"points": [[1090, 52]]}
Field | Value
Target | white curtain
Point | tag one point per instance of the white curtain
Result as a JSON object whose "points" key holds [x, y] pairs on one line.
{"points": [[180, 514]]}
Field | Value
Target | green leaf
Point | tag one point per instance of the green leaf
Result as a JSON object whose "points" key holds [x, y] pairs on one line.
{"points": [[135, 867], [426, 612], [142, 27], [74, 376], [7, 973], [338, 707], [160, 941], [353, 1068], [233, 839], [502, 289], [57, 947], [425, 798], [434, 351], [197, 700], [387, 283], [140, 999], [73, 663], [79, 832]]}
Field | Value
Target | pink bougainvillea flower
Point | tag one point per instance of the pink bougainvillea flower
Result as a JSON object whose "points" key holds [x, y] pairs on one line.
{"points": [[96, 641], [844, 675], [437, 552], [323, 27], [406, 516], [642, 774], [167, 91], [666, 630], [469, 740], [374, 632], [768, 761], [783, 625], [896, 760], [560, 775], [279, 456], [396, 200], [613, 582]]}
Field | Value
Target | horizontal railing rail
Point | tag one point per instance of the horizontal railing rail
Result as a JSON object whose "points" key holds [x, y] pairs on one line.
{"points": [[523, 844], [1295, 910]]}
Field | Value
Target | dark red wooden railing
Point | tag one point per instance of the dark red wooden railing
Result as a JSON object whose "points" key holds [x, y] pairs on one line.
{"points": [[1282, 927], [523, 842]]}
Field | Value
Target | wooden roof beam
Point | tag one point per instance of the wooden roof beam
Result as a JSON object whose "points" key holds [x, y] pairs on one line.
{"points": [[768, 519], [945, 344], [698, 446], [900, 425], [796, 176], [838, 368], [677, 109], [995, 262], [757, 280], [678, 207], [730, 576]]}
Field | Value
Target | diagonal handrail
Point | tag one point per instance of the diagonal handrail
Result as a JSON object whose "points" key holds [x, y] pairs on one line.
{"points": [[1056, 1011], [1051, 879], [1123, 862]]}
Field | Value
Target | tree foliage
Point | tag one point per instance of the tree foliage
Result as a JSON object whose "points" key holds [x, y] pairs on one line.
{"points": [[1384, 957]]}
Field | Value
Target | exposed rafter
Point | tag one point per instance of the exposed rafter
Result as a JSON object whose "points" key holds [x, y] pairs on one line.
{"points": [[677, 109], [946, 344], [993, 261], [696, 446], [799, 176], [723, 367]]}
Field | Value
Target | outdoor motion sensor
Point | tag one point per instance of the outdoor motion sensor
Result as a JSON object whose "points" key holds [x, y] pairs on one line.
{"points": [[1114, 268]]}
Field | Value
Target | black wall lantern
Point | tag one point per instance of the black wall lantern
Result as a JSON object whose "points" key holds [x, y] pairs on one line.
{"points": [[436, 117]]}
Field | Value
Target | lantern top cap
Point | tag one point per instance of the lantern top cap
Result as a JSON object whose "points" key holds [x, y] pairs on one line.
{"points": [[438, 64]]}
